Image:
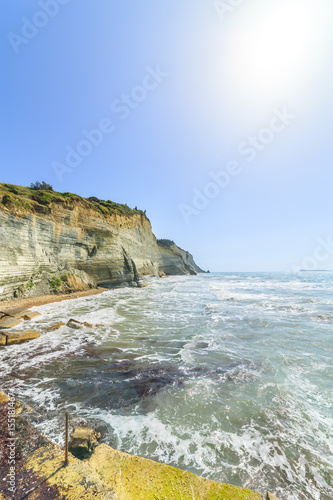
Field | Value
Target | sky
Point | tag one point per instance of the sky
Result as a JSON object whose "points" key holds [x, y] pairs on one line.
{"points": [[214, 116]]}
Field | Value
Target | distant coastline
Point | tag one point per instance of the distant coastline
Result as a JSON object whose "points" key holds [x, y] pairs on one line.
{"points": [[316, 270]]}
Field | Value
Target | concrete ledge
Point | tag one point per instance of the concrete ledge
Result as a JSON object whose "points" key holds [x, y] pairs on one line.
{"points": [[142, 479]]}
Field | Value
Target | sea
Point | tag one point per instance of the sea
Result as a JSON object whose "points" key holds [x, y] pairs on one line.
{"points": [[227, 375]]}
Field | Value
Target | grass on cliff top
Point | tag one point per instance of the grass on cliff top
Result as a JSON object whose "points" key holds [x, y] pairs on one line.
{"points": [[39, 201]]}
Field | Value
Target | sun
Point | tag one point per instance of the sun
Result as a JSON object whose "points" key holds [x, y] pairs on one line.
{"points": [[271, 52]]}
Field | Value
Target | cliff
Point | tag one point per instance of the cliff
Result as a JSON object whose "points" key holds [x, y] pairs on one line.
{"points": [[61, 242]]}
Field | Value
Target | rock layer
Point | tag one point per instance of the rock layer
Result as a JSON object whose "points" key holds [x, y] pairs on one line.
{"points": [[74, 247]]}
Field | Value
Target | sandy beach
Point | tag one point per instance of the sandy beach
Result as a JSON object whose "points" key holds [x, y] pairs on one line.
{"points": [[46, 299]]}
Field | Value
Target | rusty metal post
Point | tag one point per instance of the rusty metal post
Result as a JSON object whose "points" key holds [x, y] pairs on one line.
{"points": [[66, 439]]}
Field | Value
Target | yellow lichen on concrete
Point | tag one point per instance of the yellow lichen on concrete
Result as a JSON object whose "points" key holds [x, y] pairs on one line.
{"points": [[142, 479], [76, 480], [3, 397]]}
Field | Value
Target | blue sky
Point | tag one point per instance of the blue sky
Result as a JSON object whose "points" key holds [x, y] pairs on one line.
{"points": [[181, 90]]}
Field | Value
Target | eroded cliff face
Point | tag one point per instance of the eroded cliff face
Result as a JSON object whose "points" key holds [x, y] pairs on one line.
{"points": [[76, 247]]}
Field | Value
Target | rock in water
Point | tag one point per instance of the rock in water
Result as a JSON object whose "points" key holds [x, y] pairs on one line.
{"points": [[17, 312], [73, 323], [83, 441], [22, 313], [19, 336], [8, 322], [56, 326], [31, 315]]}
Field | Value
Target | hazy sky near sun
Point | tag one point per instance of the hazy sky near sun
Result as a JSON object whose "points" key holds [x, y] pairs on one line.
{"points": [[183, 93]]}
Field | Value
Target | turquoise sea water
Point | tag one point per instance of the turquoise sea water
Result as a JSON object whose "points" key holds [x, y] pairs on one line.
{"points": [[226, 375]]}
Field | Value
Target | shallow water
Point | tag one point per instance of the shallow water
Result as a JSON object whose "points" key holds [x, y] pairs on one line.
{"points": [[226, 375]]}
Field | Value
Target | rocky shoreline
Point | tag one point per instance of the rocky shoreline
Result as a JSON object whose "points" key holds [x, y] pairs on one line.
{"points": [[16, 312]]}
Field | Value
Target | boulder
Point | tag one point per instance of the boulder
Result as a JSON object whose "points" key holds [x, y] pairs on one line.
{"points": [[31, 315], [20, 336], [73, 323], [19, 312], [8, 322], [3, 339], [16, 312], [22, 313], [56, 326], [83, 441]]}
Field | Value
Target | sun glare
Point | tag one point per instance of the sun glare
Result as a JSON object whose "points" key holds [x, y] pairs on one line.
{"points": [[270, 54]]}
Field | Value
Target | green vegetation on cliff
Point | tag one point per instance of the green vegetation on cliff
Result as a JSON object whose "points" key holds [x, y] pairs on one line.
{"points": [[166, 243], [39, 201]]}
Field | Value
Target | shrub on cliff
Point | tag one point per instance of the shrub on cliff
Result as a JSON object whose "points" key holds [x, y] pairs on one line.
{"points": [[41, 185], [55, 283], [165, 242], [7, 200]]}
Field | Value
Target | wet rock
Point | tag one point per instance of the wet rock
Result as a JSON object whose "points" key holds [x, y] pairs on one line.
{"points": [[30, 315], [270, 496], [21, 313], [78, 422], [115, 350], [8, 322], [17, 312], [202, 345], [73, 323], [3, 339], [83, 441], [149, 381], [56, 326], [20, 336]]}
